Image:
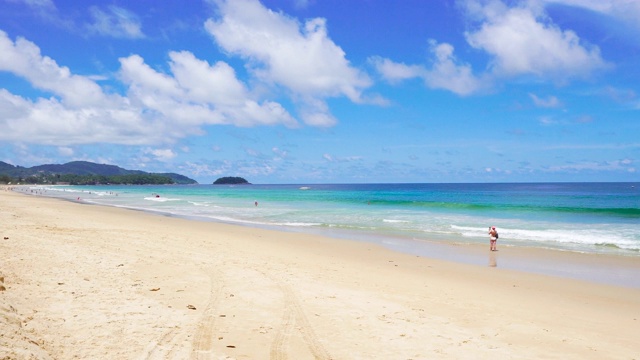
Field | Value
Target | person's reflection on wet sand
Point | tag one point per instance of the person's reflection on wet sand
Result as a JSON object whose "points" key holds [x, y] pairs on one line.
{"points": [[493, 262]]}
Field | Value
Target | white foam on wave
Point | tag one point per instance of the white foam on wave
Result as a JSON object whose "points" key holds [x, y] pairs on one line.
{"points": [[298, 224], [261, 223], [199, 203], [57, 189], [608, 236], [395, 221], [160, 199]]}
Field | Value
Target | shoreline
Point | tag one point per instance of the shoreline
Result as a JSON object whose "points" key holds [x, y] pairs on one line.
{"points": [[612, 269], [106, 282], [546, 227], [615, 269]]}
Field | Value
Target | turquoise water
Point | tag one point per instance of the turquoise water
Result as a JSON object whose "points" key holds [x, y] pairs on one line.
{"points": [[584, 217]]}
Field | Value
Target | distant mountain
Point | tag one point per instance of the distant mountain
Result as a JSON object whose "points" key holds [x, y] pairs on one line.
{"points": [[179, 179], [82, 168], [85, 168]]}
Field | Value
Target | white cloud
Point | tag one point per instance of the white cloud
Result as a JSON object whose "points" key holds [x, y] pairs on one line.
{"points": [[545, 120], [158, 107], [279, 153], [208, 170], [316, 113], [197, 94], [550, 102], [446, 71], [48, 121], [617, 146], [203, 82], [519, 40], [23, 58], [253, 152], [161, 154], [38, 5], [625, 10], [396, 72], [522, 41], [613, 165], [301, 4], [281, 51], [331, 158], [448, 74], [584, 119], [45, 9], [116, 22], [65, 151], [620, 95]]}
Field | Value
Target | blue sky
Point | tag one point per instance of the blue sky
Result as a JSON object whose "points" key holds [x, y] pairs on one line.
{"points": [[326, 91]]}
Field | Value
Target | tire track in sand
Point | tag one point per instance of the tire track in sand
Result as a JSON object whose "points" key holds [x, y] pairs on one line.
{"points": [[202, 344], [282, 335], [165, 347], [294, 314]]}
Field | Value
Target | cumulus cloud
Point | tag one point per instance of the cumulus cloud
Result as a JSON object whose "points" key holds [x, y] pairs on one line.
{"points": [[157, 108], [23, 58], [520, 41], [77, 112], [281, 51], [395, 72], [197, 93], [523, 41], [161, 154], [116, 22], [445, 72]]}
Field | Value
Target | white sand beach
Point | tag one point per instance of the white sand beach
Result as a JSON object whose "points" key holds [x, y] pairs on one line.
{"points": [[90, 282]]}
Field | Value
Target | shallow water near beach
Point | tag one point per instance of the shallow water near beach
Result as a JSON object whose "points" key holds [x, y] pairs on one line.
{"points": [[422, 219]]}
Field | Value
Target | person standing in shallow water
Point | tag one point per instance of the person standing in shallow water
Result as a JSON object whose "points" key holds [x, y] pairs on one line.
{"points": [[493, 237]]}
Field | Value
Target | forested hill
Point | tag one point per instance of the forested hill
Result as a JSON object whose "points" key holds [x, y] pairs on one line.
{"points": [[85, 172]]}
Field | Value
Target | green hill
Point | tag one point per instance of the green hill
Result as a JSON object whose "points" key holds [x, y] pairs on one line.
{"points": [[85, 172], [230, 180]]}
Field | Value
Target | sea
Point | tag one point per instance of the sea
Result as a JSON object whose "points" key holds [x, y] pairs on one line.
{"points": [[423, 219]]}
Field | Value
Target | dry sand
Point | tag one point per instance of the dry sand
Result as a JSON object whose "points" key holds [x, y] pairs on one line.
{"points": [[91, 282]]}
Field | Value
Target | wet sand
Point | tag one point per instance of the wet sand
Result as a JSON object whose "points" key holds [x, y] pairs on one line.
{"points": [[92, 282]]}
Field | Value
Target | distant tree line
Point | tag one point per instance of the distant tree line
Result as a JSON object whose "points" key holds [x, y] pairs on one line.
{"points": [[73, 179]]}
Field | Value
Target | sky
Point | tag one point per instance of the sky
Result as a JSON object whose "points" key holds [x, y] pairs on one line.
{"points": [[326, 91]]}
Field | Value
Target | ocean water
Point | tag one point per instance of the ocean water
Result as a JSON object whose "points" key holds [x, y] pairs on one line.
{"points": [[583, 217]]}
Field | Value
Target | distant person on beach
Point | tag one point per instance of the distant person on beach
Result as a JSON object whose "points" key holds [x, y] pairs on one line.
{"points": [[493, 237]]}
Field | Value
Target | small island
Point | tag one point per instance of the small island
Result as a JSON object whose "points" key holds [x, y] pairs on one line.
{"points": [[230, 180]]}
